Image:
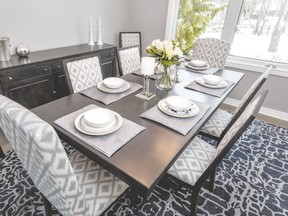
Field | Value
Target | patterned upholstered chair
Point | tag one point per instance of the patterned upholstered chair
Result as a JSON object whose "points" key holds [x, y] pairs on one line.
{"points": [[200, 160], [211, 50], [127, 39], [82, 73], [74, 185], [129, 60], [220, 122]]}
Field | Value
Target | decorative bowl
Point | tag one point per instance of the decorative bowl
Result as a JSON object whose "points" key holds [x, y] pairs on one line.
{"points": [[113, 82], [178, 103], [212, 79], [98, 117], [198, 63]]}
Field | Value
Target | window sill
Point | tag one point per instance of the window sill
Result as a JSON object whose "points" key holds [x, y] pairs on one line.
{"points": [[256, 65]]}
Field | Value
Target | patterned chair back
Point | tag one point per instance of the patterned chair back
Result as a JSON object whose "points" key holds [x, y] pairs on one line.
{"points": [[211, 50], [129, 60], [82, 73], [239, 127], [41, 152], [127, 39]]}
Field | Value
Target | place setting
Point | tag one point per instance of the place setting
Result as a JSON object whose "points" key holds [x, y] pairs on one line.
{"points": [[177, 112], [210, 84], [101, 128], [111, 89], [199, 66]]}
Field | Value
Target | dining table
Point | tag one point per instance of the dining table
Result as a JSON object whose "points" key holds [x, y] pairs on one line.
{"points": [[145, 159]]}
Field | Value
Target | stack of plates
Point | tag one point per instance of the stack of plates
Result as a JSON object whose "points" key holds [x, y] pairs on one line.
{"points": [[212, 81], [113, 85], [98, 121], [197, 65], [178, 106]]}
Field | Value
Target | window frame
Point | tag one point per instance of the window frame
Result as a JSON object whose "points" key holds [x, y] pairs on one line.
{"points": [[230, 24]]}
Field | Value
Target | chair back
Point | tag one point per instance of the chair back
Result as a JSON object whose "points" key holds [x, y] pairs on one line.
{"points": [[249, 95], [211, 50], [127, 39], [234, 134], [82, 73], [42, 154], [129, 60]]}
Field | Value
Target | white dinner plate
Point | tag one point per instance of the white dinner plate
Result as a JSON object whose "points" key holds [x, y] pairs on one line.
{"points": [[196, 68], [201, 81], [86, 129], [123, 88], [194, 110]]}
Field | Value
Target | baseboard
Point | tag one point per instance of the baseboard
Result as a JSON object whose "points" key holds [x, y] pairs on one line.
{"points": [[264, 110]]}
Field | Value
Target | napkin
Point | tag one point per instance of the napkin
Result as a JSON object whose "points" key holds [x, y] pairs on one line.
{"points": [[181, 125], [106, 144], [108, 98]]}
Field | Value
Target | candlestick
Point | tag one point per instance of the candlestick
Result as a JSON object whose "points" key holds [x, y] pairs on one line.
{"points": [[91, 42], [99, 32]]}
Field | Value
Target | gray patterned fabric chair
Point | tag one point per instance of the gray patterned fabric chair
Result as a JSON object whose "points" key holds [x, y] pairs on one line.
{"points": [[75, 186], [200, 160], [222, 120], [127, 39], [211, 50], [129, 60], [82, 73]]}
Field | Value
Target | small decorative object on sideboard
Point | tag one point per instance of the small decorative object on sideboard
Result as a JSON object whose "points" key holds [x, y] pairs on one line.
{"points": [[4, 49], [22, 51]]}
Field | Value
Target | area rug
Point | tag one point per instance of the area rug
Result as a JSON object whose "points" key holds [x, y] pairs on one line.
{"points": [[251, 180]]}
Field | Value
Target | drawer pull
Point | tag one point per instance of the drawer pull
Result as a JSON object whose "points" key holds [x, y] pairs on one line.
{"points": [[10, 78], [54, 92], [45, 69], [58, 66]]}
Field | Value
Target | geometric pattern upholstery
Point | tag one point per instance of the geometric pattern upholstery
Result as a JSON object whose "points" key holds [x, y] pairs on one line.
{"points": [[211, 50], [84, 73], [217, 123], [42, 155], [195, 159], [129, 59], [128, 39]]}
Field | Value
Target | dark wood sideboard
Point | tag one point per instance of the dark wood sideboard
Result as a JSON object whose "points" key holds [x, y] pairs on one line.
{"points": [[40, 78]]}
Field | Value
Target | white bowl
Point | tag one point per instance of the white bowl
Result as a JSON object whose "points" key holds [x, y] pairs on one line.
{"points": [[178, 103], [99, 117], [113, 82], [198, 63], [212, 79]]}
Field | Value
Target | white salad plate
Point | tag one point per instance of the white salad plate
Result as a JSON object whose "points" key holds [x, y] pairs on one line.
{"points": [[189, 65], [192, 111], [113, 82], [83, 127], [178, 103], [202, 82], [123, 88]]}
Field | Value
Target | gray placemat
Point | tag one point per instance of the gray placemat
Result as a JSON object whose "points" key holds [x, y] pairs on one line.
{"points": [[181, 125], [108, 98], [106, 144], [218, 92]]}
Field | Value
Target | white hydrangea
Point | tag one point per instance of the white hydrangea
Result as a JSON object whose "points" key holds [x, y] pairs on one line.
{"points": [[158, 44], [178, 52], [168, 45]]}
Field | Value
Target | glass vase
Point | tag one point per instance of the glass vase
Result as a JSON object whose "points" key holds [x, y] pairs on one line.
{"points": [[164, 81]]}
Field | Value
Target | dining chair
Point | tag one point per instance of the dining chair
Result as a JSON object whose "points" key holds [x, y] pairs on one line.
{"points": [[127, 39], [212, 50], [220, 122], [128, 60], [74, 185], [82, 72], [2, 155], [200, 159]]}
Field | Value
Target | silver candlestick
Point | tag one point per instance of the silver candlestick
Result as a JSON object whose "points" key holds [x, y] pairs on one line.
{"points": [[91, 42], [99, 38]]}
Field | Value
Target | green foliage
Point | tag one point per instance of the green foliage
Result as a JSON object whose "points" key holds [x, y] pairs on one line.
{"points": [[194, 17]]}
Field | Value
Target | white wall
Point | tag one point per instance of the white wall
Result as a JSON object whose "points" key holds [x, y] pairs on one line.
{"points": [[49, 24]]}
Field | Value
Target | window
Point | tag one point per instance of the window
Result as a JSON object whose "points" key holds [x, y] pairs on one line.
{"points": [[256, 29]]}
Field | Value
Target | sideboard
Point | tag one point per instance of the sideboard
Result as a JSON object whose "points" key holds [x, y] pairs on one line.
{"points": [[40, 78]]}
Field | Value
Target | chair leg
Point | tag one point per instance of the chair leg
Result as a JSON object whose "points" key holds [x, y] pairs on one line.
{"points": [[212, 179], [2, 155], [48, 207], [195, 194]]}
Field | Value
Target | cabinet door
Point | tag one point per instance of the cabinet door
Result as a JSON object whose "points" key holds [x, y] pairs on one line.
{"points": [[108, 62], [60, 84], [31, 92]]}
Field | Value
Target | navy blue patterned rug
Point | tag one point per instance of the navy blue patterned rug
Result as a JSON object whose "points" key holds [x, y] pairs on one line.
{"points": [[251, 180]]}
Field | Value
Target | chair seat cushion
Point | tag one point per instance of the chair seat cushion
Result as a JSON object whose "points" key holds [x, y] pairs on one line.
{"points": [[193, 161], [217, 123], [100, 187]]}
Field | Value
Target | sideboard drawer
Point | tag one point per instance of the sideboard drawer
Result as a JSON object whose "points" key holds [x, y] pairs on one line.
{"points": [[57, 66], [107, 54]]}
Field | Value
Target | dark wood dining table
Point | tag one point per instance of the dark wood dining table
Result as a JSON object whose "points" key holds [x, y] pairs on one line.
{"points": [[145, 159]]}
